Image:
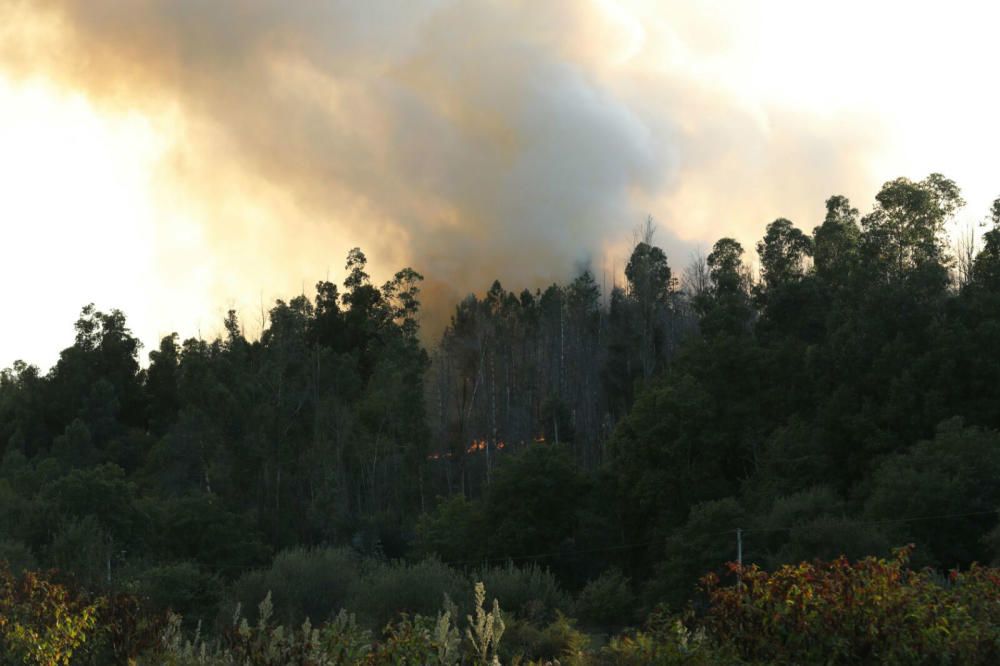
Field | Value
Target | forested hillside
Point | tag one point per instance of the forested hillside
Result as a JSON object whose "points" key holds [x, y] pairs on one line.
{"points": [[595, 450]]}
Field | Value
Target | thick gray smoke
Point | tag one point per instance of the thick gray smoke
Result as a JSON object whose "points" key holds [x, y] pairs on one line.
{"points": [[473, 140]]}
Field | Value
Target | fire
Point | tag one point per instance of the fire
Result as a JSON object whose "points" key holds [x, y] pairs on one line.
{"points": [[476, 446]]}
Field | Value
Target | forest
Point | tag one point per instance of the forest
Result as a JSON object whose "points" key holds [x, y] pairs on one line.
{"points": [[638, 473]]}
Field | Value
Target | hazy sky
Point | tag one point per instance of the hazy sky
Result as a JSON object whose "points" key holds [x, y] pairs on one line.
{"points": [[175, 158]]}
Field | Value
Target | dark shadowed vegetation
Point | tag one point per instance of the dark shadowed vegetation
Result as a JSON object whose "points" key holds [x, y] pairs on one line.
{"points": [[587, 453]]}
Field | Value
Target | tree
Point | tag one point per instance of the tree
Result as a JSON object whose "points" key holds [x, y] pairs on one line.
{"points": [[957, 472], [650, 288], [104, 351], [725, 268], [455, 530], [162, 384], [904, 235], [986, 267], [835, 242], [725, 308], [783, 252], [648, 275], [703, 544], [402, 293], [532, 501]]}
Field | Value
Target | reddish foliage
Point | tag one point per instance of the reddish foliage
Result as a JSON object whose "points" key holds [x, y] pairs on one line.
{"points": [[870, 611]]}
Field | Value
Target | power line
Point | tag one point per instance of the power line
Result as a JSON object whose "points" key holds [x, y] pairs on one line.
{"points": [[888, 521], [737, 531]]}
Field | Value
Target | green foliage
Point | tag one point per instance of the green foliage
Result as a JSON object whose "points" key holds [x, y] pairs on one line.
{"points": [[607, 602], [529, 591], [703, 543], [16, 556], [41, 622], [648, 274], [844, 401], [782, 254], [303, 584], [791, 460], [533, 499], [904, 235], [835, 242], [340, 641], [956, 472], [420, 640], [83, 549], [812, 524], [198, 527], [386, 589], [181, 587], [557, 642], [453, 530], [103, 493], [665, 641]]}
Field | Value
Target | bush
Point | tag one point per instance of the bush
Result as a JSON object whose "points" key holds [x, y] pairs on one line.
{"points": [[606, 602], [16, 555], [957, 472], [41, 621], [706, 540], [82, 548], [303, 583], [452, 531], [559, 640], [533, 499], [431, 641], [820, 530], [182, 588], [386, 589], [872, 611], [665, 641], [530, 592]]}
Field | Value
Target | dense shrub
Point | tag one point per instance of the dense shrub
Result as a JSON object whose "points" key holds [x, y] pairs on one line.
{"points": [[41, 621], [533, 498], [664, 641], [832, 612], [452, 531], [529, 592], [386, 589], [956, 472], [820, 529], [198, 528], [183, 588], [607, 602], [48, 620], [703, 543], [17, 555], [303, 583], [559, 640], [871, 611], [430, 641]]}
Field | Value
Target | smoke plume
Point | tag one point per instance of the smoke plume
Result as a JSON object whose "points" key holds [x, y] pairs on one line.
{"points": [[471, 140]]}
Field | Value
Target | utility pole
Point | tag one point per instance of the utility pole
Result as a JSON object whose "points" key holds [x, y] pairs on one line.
{"points": [[739, 559]]}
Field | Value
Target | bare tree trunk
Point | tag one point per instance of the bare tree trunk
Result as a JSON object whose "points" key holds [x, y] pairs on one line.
{"points": [[493, 400], [562, 348]]}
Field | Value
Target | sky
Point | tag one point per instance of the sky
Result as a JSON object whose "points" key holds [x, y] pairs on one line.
{"points": [[178, 158]]}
